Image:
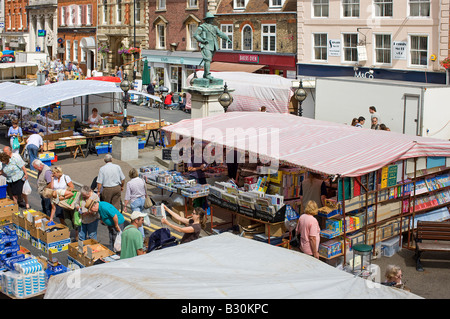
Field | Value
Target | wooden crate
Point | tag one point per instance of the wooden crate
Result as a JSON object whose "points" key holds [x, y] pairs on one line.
{"points": [[137, 127], [154, 125]]}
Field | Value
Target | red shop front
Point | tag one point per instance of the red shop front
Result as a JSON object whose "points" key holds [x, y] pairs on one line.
{"points": [[280, 64]]}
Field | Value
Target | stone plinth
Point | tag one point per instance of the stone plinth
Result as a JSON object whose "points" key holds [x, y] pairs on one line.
{"points": [[125, 148], [205, 100]]}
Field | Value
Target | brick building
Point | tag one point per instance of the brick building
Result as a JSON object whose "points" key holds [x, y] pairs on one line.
{"points": [[15, 32], [172, 52], [263, 36], [77, 40]]}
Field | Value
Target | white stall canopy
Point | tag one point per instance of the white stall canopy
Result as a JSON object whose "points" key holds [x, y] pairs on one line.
{"points": [[222, 266], [34, 97]]}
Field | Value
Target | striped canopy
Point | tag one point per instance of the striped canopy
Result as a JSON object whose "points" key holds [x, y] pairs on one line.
{"points": [[325, 147]]}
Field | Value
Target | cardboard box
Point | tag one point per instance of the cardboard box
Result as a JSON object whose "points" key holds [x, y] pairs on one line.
{"points": [[8, 206], [56, 240], [276, 229], [33, 221], [87, 252]]}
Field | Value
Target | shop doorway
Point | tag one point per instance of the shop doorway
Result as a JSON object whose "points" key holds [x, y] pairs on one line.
{"points": [[175, 78]]}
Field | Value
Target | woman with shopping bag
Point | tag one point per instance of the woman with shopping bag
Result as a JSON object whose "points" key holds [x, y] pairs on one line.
{"points": [[16, 175], [14, 133]]}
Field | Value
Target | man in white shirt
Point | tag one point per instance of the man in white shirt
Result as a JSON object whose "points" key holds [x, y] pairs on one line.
{"points": [[34, 145], [112, 179]]}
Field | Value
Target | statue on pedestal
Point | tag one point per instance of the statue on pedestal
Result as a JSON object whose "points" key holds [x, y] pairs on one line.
{"points": [[206, 35]]}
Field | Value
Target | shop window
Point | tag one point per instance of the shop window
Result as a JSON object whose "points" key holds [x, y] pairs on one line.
{"points": [[350, 47], [383, 48], [247, 38], [320, 46], [419, 50]]}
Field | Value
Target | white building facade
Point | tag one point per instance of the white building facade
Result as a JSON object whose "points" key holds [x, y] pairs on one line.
{"points": [[391, 39], [43, 26]]}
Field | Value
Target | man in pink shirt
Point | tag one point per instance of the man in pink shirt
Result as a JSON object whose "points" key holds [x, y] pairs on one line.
{"points": [[309, 230]]}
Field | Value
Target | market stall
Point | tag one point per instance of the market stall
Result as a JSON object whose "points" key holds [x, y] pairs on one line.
{"points": [[41, 110], [355, 162]]}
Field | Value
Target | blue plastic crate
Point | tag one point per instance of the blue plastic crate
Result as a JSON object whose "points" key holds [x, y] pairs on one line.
{"points": [[141, 145], [47, 162], [3, 191], [102, 149]]}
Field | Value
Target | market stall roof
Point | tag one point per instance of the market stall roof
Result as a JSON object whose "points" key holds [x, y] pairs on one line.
{"points": [[34, 97], [325, 147], [222, 266], [235, 67]]}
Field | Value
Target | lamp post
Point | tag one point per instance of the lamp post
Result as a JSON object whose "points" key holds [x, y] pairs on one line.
{"points": [[125, 86], [225, 99], [300, 95]]}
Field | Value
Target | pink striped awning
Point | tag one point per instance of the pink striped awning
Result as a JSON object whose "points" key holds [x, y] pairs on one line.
{"points": [[325, 147]]}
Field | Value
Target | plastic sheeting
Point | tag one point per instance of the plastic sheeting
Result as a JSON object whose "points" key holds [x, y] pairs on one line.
{"points": [[34, 97], [252, 90], [221, 266]]}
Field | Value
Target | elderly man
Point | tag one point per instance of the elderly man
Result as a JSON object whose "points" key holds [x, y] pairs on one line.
{"points": [[89, 220], [110, 216], [112, 179], [43, 181]]}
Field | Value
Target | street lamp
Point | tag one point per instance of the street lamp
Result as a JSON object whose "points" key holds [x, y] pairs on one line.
{"points": [[300, 95], [125, 85], [225, 99]]}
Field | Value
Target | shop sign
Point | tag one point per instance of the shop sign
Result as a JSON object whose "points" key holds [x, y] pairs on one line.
{"points": [[249, 58], [334, 48], [41, 33], [399, 50]]}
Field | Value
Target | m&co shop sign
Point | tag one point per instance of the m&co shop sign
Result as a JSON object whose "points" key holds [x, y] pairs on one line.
{"points": [[249, 58]]}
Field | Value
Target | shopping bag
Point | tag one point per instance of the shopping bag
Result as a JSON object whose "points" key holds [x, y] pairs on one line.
{"points": [[118, 242], [148, 202], [146, 219], [26, 190], [76, 218], [16, 143]]}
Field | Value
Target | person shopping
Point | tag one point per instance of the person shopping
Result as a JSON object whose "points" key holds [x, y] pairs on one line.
{"points": [[89, 219], [193, 225], [135, 194], [13, 168], [13, 132], [132, 241], [309, 230], [34, 145]]}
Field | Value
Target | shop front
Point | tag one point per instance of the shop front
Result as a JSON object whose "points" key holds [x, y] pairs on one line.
{"points": [[279, 64], [171, 69]]}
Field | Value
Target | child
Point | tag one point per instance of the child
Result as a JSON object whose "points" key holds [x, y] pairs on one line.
{"points": [[56, 195]]}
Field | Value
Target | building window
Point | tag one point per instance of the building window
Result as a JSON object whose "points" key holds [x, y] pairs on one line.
{"points": [[75, 50], [72, 15], [383, 8], [247, 38], [419, 50], [137, 11], [269, 37], [350, 50], [192, 3], [192, 28], [275, 3], [350, 8], [89, 14], [321, 8], [383, 48], [161, 4], [160, 36], [419, 8], [239, 4], [105, 12], [79, 15], [83, 55], [119, 11], [228, 30], [68, 51], [320, 46]]}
